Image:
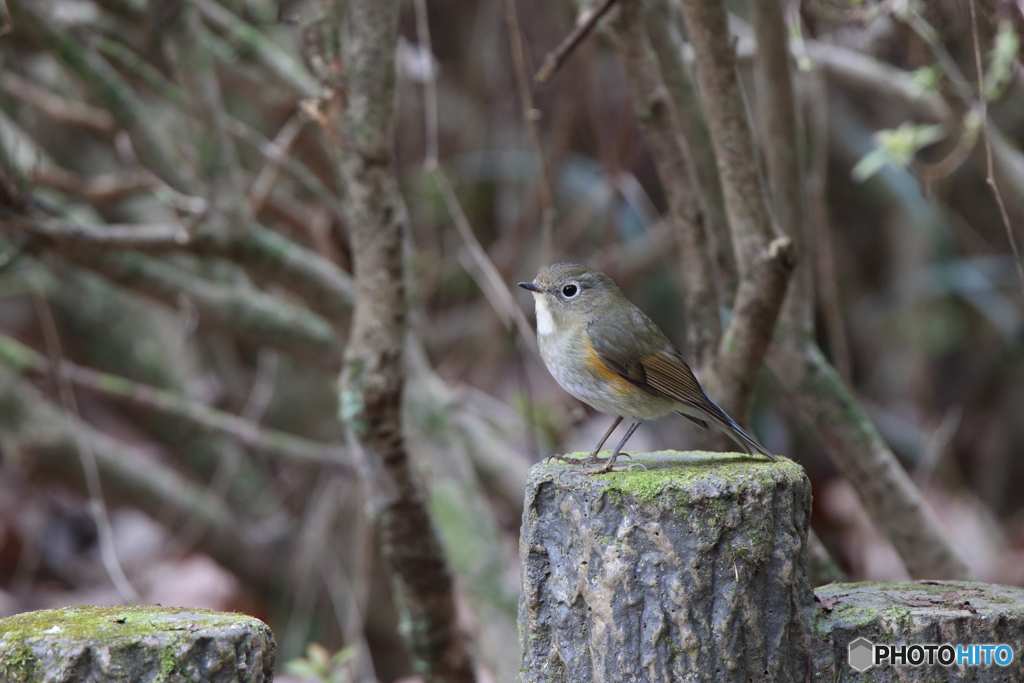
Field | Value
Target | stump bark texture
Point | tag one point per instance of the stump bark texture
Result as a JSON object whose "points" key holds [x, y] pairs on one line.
{"points": [[691, 570], [923, 612], [135, 643]]}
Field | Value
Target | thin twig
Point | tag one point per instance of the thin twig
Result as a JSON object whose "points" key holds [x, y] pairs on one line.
{"points": [[990, 176], [935, 445], [262, 391], [245, 430], [530, 116], [97, 507], [78, 236], [60, 109], [295, 168], [271, 170], [823, 250], [655, 114], [95, 189], [486, 274], [429, 87], [554, 59]]}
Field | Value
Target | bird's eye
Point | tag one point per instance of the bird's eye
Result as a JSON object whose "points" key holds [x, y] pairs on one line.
{"points": [[570, 291]]}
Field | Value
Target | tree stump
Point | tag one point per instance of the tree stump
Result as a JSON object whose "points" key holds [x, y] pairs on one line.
{"points": [[135, 643], [924, 612], [693, 570]]}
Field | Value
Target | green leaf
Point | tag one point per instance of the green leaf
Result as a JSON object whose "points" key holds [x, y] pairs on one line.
{"points": [[343, 655], [1001, 61], [897, 146], [301, 668], [870, 164], [926, 79]]}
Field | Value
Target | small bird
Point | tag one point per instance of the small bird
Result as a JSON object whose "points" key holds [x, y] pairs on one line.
{"points": [[607, 353]]}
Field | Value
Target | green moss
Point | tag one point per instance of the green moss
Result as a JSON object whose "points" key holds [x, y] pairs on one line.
{"points": [[667, 480], [115, 621], [120, 627]]}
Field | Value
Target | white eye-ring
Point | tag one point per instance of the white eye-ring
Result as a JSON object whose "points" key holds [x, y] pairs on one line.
{"points": [[570, 290]]}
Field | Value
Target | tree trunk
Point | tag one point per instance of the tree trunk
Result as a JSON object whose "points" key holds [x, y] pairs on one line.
{"points": [[694, 569]]}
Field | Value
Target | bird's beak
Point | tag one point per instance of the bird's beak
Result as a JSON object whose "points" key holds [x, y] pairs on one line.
{"points": [[532, 286]]}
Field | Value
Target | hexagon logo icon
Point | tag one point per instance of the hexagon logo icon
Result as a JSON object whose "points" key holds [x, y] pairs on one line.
{"points": [[861, 654]]}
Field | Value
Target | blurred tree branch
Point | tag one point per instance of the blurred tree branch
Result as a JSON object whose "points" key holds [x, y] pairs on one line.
{"points": [[40, 441], [373, 375], [821, 398], [667, 45], [765, 259], [269, 443], [655, 112]]}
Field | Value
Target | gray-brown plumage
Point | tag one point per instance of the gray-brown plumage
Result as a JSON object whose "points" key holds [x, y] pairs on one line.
{"points": [[606, 352]]}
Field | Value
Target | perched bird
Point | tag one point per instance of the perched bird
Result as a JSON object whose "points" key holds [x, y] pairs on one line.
{"points": [[607, 353]]}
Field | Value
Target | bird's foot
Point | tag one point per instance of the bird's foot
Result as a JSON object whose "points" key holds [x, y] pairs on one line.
{"points": [[572, 461], [609, 464]]}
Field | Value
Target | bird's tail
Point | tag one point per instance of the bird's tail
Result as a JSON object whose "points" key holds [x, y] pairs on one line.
{"points": [[737, 434]]}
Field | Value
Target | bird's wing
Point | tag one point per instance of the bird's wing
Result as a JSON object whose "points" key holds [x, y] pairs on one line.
{"points": [[639, 352], [621, 344], [667, 372]]}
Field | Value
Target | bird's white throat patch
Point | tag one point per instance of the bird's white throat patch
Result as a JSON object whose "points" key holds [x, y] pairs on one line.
{"points": [[545, 323]]}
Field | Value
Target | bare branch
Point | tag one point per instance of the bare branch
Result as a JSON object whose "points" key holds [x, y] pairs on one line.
{"points": [[68, 235], [990, 176], [668, 46], [295, 168], [429, 87], [781, 144], [60, 109], [530, 116], [484, 271], [827, 407], [825, 275], [86, 456], [657, 118], [758, 253], [749, 220], [267, 178], [42, 443], [270, 443], [586, 23], [95, 189]]}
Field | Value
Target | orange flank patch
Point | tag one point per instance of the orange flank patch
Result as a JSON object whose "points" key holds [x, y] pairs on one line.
{"points": [[616, 382]]}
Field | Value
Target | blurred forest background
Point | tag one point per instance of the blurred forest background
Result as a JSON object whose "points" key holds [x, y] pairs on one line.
{"points": [[176, 290]]}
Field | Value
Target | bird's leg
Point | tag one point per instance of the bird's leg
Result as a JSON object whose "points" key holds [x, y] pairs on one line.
{"points": [[597, 449], [637, 421], [592, 458]]}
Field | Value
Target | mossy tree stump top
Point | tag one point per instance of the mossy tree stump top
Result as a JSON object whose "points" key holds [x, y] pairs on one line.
{"points": [[694, 569], [135, 643]]}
